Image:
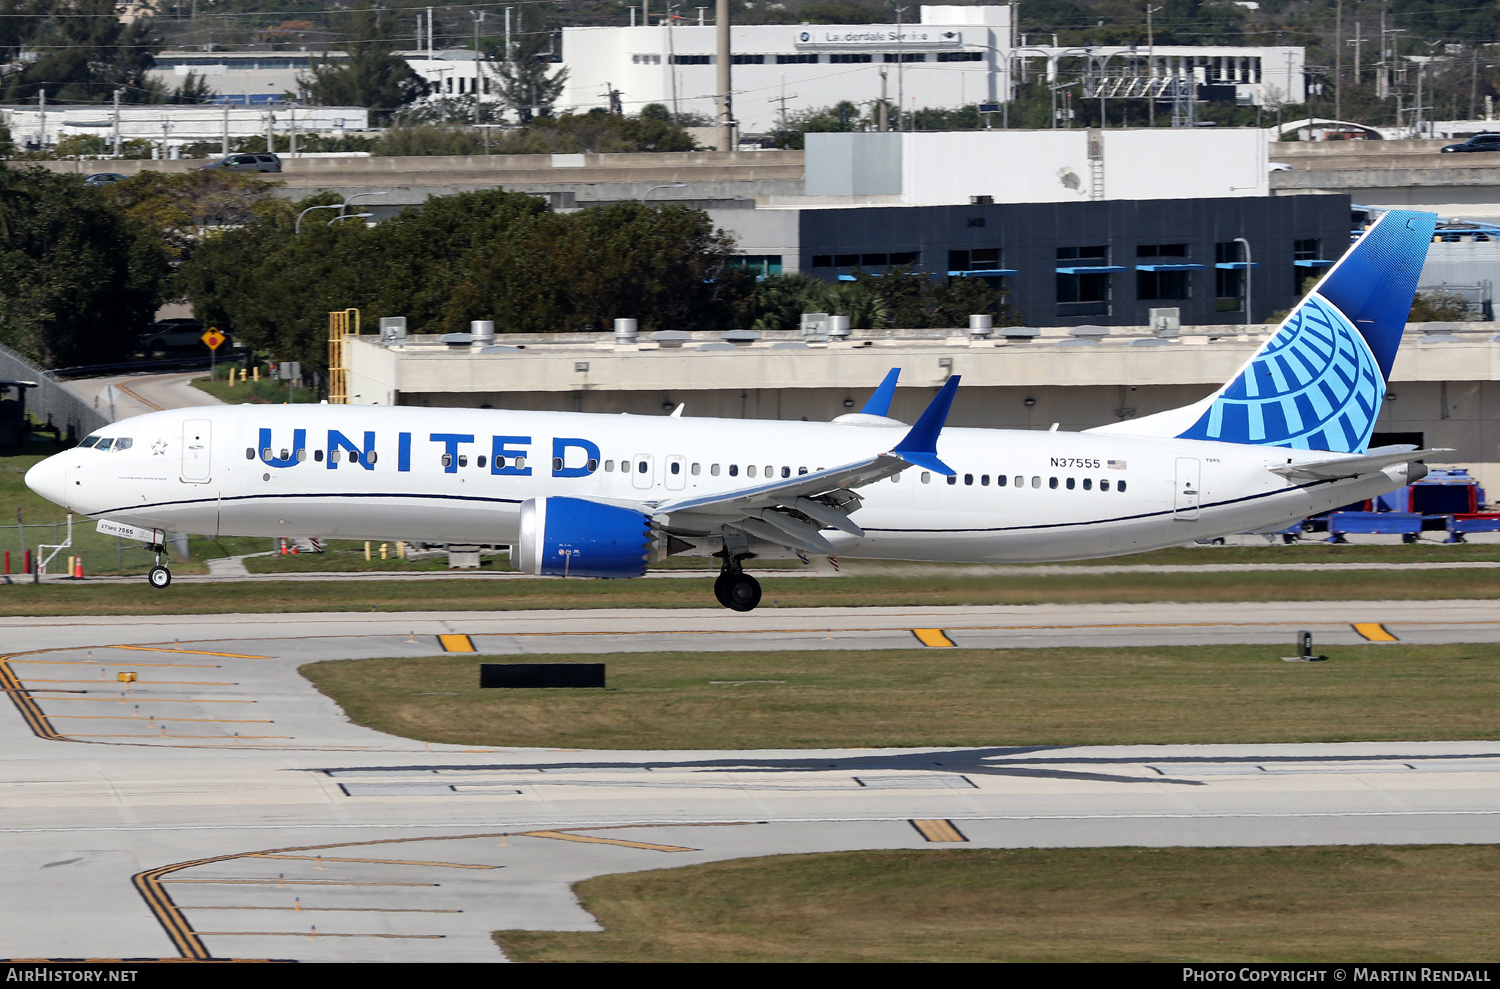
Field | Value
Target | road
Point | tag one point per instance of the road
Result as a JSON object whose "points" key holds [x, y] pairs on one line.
{"points": [[127, 395], [219, 806]]}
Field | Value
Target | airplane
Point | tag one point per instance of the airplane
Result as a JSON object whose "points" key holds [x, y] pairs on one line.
{"points": [[588, 495]]}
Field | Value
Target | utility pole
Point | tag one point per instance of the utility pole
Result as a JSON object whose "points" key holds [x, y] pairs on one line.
{"points": [[1357, 41], [117, 125], [1150, 67], [727, 140], [1338, 63], [900, 71], [41, 105], [429, 33], [885, 122], [224, 144]]}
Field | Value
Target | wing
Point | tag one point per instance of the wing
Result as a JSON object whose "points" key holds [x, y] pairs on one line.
{"points": [[1344, 467], [792, 511]]}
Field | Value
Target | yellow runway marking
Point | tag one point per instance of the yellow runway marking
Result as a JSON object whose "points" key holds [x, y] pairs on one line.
{"points": [[176, 683], [330, 858], [194, 652], [155, 700], [934, 637], [938, 830], [142, 717], [134, 665], [217, 738], [456, 643], [306, 909], [1374, 631], [564, 836]]}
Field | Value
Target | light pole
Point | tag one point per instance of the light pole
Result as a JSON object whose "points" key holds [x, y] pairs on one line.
{"points": [[338, 206], [1249, 267], [670, 185]]}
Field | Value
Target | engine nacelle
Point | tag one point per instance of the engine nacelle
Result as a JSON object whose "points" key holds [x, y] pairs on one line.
{"points": [[573, 537]]}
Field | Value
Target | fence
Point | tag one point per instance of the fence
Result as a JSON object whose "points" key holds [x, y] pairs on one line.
{"points": [[50, 400]]}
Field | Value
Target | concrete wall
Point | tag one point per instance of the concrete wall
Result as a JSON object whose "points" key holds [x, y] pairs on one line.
{"points": [[1185, 164]]}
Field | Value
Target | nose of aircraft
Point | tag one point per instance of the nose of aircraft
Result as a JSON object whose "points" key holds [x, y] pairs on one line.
{"points": [[49, 479]]}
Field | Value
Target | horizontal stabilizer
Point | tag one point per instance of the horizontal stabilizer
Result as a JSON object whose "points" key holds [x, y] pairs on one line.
{"points": [[1333, 470]]}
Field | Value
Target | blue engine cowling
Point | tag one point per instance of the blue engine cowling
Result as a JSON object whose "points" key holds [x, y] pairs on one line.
{"points": [[572, 537]]}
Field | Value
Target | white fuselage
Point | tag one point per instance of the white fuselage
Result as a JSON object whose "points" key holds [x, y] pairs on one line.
{"points": [[272, 471]]}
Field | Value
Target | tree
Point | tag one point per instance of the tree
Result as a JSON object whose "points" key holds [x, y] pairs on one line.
{"points": [[373, 75], [83, 52], [525, 86], [79, 280]]}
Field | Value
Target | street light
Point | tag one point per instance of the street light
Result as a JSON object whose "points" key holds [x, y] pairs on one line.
{"points": [[1249, 269], [338, 206], [670, 185]]}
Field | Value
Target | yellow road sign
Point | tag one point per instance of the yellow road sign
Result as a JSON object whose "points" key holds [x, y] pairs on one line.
{"points": [[214, 339]]}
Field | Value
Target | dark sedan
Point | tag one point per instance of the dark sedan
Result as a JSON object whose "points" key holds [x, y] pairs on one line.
{"points": [[1479, 142]]}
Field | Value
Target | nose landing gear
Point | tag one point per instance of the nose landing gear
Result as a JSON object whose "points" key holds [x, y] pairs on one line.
{"points": [[159, 575], [735, 589]]}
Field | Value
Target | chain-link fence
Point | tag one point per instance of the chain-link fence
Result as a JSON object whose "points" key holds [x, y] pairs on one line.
{"points": [[101, 553], [50, 401]]}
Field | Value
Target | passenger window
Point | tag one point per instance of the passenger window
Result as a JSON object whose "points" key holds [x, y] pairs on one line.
{"points": [[1103, 485], [447, 460], [370, 457], [714, 470], [926, 477], [801, 471], [609, 466], [591, 466], [301, 455], [463, 460], [520, 463], [969, 479], [556, 463], [286, 454], [676, 467], [984, 480], [123, 443], [1120, 486], [999, 480], [734, 470], [642, 467], [770, 471], [249, 450], [105, 443], [1052, 483], [787, 472], [1020, 481], [479, 460], [952, 478], [266, 454], [1088, 484], [749, 470], [334, 456], [1070, 484], [317, 456], [697, 469], [499, 463]]}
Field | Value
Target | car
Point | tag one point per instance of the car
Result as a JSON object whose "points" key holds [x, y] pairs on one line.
{"points": [[1278, 166], [175, 334], [104, 178], [260, 161], [1479, 142]]}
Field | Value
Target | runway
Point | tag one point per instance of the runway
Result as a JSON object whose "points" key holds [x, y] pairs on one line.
{"points": [[217, 806]]}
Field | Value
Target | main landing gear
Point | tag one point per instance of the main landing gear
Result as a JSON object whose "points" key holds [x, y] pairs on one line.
{"points": [[159, 576], [735, 589]]}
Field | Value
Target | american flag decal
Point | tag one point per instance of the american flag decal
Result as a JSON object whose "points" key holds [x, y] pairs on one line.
{"points": [[1115, 464]]}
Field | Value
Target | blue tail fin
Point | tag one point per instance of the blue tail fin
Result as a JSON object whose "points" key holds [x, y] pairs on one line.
{"points": [[880, 402], [1317, 384]]}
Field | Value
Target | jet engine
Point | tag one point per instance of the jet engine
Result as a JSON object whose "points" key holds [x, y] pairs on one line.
{"points": [[573, 537]]}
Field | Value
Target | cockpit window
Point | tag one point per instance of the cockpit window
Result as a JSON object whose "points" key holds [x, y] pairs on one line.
{"points": [[90, 441], [105, 443], [123, 443]]}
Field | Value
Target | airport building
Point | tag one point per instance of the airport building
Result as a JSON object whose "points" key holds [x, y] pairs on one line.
{"points": [[953, 56], [168, 126]]}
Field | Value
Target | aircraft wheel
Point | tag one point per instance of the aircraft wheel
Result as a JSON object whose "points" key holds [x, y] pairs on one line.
{"points": [[721, 586], [741, 592], [159, 577]]}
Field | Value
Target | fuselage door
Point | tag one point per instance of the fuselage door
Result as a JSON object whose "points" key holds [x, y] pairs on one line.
{"points": [[197, 441], [642, 473], [676, 476], [1185, 505]]}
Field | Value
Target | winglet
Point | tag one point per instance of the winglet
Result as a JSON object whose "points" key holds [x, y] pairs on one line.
{"points": [[919, 447], [880, 402]]}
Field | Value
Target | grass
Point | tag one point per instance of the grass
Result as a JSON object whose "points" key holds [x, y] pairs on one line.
{"points": [[948, 697], [262, 392], [780, 592], [1308, 904]]}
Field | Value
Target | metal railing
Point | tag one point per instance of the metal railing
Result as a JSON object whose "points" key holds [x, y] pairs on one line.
{"points": [[50, 400]]}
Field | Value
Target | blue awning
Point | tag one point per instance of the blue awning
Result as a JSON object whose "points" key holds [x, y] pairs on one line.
{"points": [[1312, 263], [1093, 269], [984, 273], [1237, 265], [1169, 267]]}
